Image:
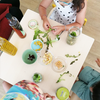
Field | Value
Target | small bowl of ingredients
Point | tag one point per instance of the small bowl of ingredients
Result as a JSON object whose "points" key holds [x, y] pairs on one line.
{"points": [[29, 56], [59, 64], [37, 45], [37, 77], [45, 58], [32, 24]]}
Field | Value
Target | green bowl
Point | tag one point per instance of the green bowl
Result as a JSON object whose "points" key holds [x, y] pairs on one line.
{"points": [[62, 93], [29, 56]]}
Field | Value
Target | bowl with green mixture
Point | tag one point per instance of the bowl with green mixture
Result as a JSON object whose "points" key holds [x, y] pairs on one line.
{"points": [[37, 77]]}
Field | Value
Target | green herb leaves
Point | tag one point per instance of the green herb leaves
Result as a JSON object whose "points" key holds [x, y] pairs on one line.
{"points": [[73, 61], [59, 80], [36, 77], [67, 55], [36, 33], [48, 41], [57, 37]]}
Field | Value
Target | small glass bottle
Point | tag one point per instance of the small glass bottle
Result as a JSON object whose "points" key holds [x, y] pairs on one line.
{"points": [[14, 23], [7, 47]]}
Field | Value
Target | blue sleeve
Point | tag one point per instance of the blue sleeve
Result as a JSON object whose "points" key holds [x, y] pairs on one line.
{"points": [[88, 74], [81, 90], [17, 89], [27, 93]]}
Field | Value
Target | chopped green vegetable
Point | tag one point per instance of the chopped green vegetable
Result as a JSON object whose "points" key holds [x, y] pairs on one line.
{"points": [[73, 34], [73, 61], [36, 77]]}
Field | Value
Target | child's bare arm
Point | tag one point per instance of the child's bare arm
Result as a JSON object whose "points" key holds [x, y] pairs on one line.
{"points": [[81, 15], [42, 11], [43, 6]]}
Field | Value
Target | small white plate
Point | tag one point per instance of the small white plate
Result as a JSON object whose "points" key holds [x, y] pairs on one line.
{"points": [[62, 60]]}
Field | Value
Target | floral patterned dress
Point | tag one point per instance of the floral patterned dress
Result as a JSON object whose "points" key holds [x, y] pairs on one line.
{"points": [[64, 14], [24, 90]]}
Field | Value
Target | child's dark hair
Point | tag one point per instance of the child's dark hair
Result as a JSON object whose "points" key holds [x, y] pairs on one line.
{"points": [[78, 4], [96, 91]]}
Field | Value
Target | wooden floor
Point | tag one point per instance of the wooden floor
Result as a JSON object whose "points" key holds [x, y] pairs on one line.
{"points": [[91, 29]]}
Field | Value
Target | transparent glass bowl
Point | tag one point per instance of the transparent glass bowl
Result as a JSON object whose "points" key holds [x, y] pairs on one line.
{"points": [[45, 58], [59, 64]]}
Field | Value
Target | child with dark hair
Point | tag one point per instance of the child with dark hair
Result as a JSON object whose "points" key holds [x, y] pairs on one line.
{"points": [[67, 12], [88, 86]]}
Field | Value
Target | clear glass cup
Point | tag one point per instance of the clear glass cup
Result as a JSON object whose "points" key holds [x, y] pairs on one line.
{"points": [[73, 34], [45, 58], [37, 77]]}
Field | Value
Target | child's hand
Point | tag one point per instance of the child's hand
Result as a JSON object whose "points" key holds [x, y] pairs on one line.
{"points": [[98, 62], [49, 96], [46, 24], [58, 29]]}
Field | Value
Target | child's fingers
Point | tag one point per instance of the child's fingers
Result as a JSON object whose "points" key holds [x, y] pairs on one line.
{"points": [[98, 59], [53, 97]]}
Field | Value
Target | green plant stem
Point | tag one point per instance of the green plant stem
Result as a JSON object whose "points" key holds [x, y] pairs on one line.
{"points": [[73, 61], [48, 42], [59, 80], [67, 55]]}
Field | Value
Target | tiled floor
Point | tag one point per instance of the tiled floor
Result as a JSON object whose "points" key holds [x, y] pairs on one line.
{"points": [[91, 29]]}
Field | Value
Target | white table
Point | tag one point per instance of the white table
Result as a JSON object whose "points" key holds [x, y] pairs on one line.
{"points": [[13, 69]]}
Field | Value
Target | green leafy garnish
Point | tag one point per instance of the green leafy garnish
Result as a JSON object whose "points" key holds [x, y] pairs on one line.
{"points": [[48, 41], [59, 80], [73, 61], [36, 33], [57, 37], [73, 34], [67, 55], [36, 77]]}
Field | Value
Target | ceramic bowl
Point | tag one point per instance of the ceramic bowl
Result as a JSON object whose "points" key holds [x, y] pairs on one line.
{"points": [[29, 56]]}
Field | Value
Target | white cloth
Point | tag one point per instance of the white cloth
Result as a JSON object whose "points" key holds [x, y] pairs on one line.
{"points": [[63, 14]]}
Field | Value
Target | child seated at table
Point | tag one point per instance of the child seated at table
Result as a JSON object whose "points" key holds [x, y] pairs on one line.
{"points": [[88, 86], [25, 89], [67, 12]]}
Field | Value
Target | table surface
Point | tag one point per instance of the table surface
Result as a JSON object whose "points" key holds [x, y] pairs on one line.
{"points": [[13, 69]]}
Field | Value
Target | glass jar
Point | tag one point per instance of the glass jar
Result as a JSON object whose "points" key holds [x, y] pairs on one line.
{"points": [[7, 47], [37, 77], [73, 34]]}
